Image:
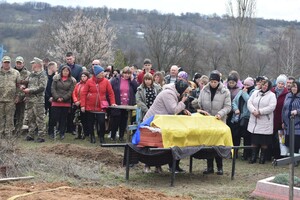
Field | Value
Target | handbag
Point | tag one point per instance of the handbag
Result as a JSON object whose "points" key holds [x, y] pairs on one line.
{"points": [[104, 104]]}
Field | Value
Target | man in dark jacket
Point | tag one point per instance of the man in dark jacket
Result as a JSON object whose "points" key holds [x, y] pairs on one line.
{"points": [[75, 68]]}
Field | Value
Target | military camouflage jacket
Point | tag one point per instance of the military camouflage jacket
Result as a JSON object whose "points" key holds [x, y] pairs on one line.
{"points": [[24, 74], [37, 82], [9, 81]]}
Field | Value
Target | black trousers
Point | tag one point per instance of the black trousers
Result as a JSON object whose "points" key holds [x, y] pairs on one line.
{"points": [[70, 118], [119, 122], [59, 114], [219, 161], [99, 120]]}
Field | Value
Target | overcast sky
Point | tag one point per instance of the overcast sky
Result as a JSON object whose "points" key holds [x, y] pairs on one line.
{"points": [[268, 9]]}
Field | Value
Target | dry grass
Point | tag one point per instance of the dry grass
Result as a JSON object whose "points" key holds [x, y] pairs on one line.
{"points": [[77, 165]]}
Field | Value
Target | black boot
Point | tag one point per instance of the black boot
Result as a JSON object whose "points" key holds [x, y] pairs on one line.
{"points": [[102, 141], [262, 157], [93, 140], [210, 167], [79, 135], [253, 156], [219, 162]]}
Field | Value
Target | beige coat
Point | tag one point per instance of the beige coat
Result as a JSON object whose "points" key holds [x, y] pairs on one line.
{"points": [[221, 103], [265, 104]]}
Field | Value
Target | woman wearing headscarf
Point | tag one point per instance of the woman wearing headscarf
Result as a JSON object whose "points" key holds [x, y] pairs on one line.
{"points": [[261, 105], [62, 87], [214, 99], [291, 107], [96, 96], [280, 91]]}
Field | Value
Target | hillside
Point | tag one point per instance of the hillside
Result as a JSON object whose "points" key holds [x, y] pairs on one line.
{"points": [[19, 25]]}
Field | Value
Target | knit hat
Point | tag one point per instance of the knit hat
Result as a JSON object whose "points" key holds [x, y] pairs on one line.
{"points": [[215, 75], [181, 86], [281, 78], [98, 69], [232, 78], [249, 81], [183, 75], [196, 76]]}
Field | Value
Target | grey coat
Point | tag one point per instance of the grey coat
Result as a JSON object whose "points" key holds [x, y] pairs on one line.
{"points": [[221, 103]]}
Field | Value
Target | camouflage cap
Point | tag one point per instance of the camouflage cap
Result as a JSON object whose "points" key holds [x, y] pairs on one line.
{"points": [[20, 59], [6, 59], [37, 61]]}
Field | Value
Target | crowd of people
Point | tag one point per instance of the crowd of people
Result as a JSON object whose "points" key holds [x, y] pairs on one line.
{"points": [[77, 101]]}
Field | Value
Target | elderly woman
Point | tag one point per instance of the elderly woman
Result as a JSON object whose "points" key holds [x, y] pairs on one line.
{"points": [[291, 107], [124, 87], [261, 105], [280, 91], [214, 99], [96, 96]]}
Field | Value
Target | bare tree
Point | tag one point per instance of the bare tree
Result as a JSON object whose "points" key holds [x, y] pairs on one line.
{"points": [[88, 38], [213, 54], [285, 50], [240, 17], [168, 42], [262, 60]]}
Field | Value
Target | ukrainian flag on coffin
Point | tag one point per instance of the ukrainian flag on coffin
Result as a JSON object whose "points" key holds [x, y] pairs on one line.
{"points": [[195, 130]]}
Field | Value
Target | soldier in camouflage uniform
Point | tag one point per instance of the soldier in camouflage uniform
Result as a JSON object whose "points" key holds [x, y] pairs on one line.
{"points": [[20, 103], [9, 82], [35, 92]]}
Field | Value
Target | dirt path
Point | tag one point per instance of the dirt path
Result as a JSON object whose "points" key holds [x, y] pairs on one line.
{"points": [[61, 191]]}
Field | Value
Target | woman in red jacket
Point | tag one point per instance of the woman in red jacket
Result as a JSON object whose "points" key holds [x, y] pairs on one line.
{"points": [[95, 98], [82, 129]]}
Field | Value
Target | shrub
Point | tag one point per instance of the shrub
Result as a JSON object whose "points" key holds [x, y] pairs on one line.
{"points": [[284, 179]]}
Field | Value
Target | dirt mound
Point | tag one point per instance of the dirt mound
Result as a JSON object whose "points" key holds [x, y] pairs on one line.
{"points": [[105, 156], [62, 191]]}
